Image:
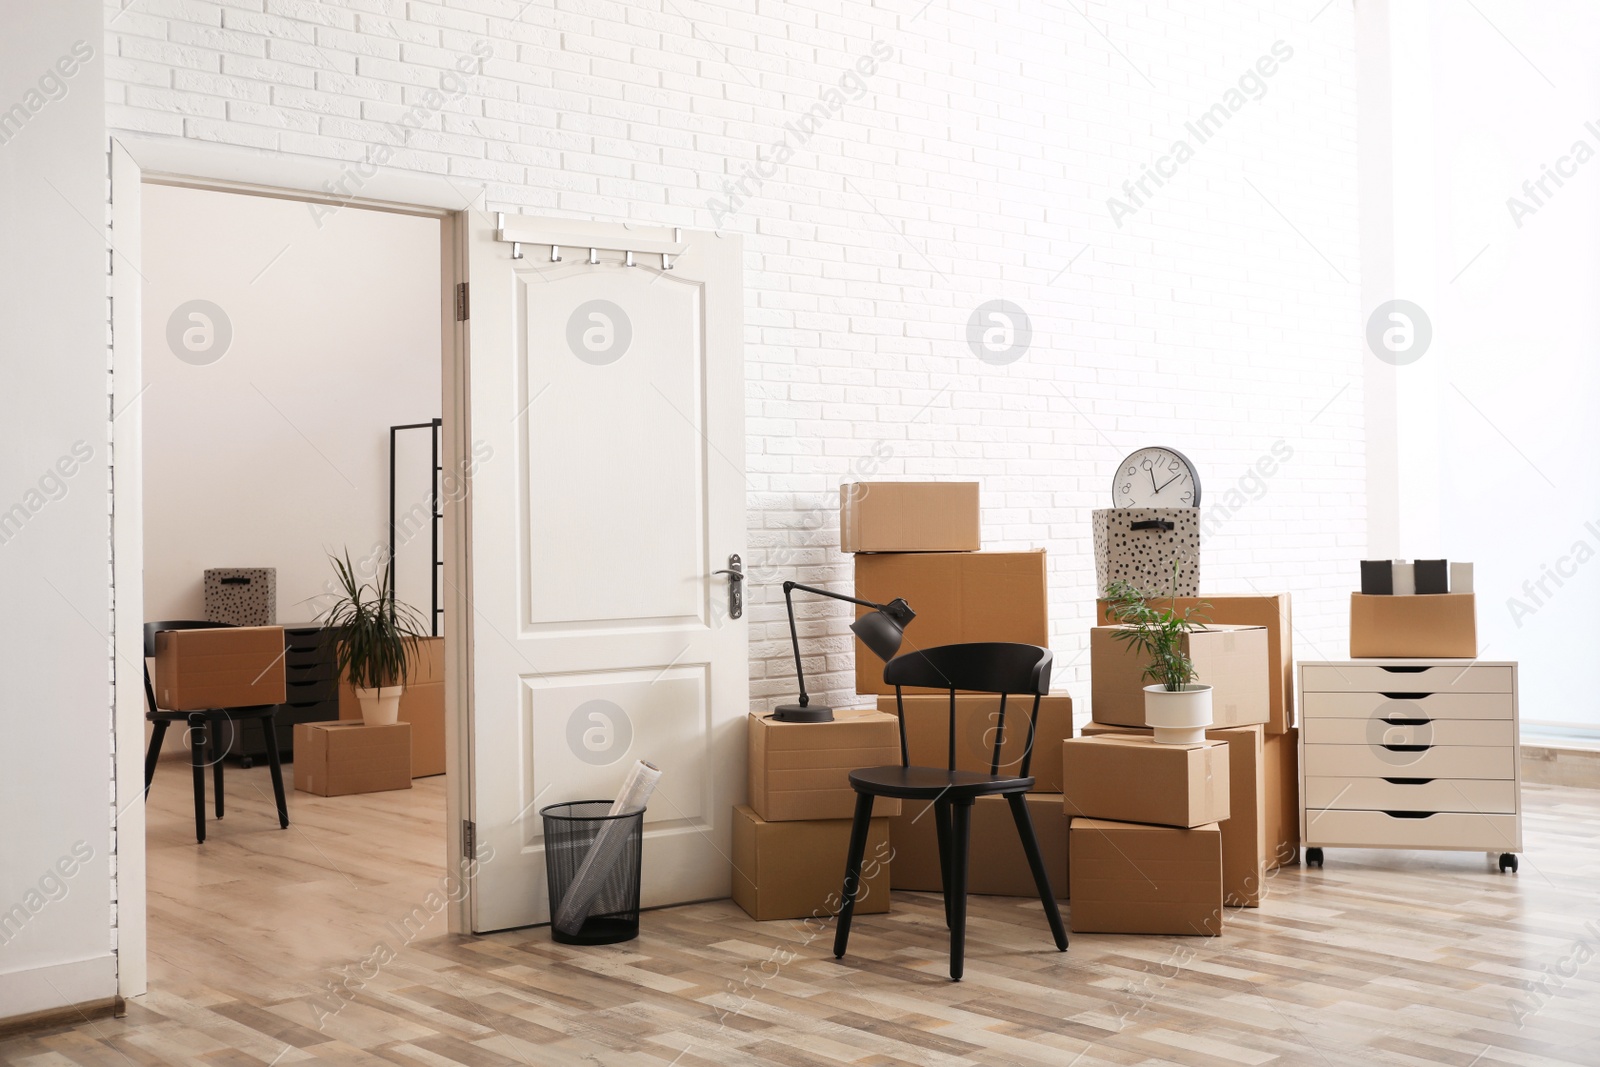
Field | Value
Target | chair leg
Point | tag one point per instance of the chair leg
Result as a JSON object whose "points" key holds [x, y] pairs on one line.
{"points": [[1030, 845], [960, 837], [269, 727], [216, 767], [852, 871], [197, 760], [153, 753], [941, 824]]}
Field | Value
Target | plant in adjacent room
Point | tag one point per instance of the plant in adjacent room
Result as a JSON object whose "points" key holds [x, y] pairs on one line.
{"points": [[375, 636]]}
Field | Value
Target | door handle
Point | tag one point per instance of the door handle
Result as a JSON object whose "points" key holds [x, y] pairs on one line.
{"points": [[735, 573]]}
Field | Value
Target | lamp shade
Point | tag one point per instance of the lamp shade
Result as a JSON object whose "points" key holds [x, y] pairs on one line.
{"points": [[879, 632]]}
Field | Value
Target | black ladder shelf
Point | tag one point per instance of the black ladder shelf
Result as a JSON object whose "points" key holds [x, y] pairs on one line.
{"points": [[435, 507]]}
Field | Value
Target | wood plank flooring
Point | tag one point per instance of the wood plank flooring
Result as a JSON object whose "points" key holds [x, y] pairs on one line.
{"points": [[1382, 957]]}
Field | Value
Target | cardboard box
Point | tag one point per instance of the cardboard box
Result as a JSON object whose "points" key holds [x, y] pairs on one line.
{"points": [[1230, 659], [1246, 855], [801, 770], [1271, 611], [333, 759], [958, 597], [421, 705], [795, 870], [977, 721], [1133, 779], [227, 667], [1440, 626], [1134, 879], [1281, 763], [996, 864], [908, 517]]}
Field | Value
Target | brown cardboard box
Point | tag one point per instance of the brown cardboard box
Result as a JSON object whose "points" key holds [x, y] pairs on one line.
{"points": [[227, 667], [422, 705], [1246, 855], [1271, 611], [1133, 779], [1281, 760], [795, 870], [996, 864], [800, 770], [332, 759], [958, 596], [908, 517], [1129, 878], [1429, 625], [977, 716], [1230, 659]]}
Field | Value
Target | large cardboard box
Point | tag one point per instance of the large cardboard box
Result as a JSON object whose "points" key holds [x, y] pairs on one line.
{"points": [[333, 759], [226, 667], [1281, 760], [1271, 611], [1129, 878], [996, 864], [1432, 626], [977, 724], [795, 870], [801, 770], [1246, 854], [421, 705], [1133, 779], [908, 517], [1230, 659], [958, 597]]}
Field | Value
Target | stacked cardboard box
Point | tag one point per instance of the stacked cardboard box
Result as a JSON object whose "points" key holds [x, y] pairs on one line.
{"points": [[1145, 840], [790, 842], [996, 864], [1280, 802]]}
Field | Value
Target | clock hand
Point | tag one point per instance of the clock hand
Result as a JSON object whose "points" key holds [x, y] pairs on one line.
{"points": [[1169, 481], [1153, 479]]}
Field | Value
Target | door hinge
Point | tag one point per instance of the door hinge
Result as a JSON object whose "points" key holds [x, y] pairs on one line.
{"points": [[469, 839], [463, 302]]}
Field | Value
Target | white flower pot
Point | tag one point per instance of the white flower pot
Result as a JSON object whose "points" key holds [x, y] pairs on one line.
{"points": [[381, 707], [1179, 717]]}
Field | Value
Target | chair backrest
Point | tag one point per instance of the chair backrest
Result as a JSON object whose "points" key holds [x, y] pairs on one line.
{"points": [[981, 667], [150, 631]]}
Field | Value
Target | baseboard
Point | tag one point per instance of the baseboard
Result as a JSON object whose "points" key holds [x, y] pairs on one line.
{"points": [[1560, 765], [72, 1014], [58, 990]]}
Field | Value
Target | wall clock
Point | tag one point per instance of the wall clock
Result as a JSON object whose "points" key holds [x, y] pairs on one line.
{"points": [[1156, 478]]}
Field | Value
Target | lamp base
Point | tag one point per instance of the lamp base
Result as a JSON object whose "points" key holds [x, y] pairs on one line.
{"points": [[802, 713]]}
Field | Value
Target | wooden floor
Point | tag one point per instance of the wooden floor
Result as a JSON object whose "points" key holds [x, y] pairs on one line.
{"points": [[1382, 957]]}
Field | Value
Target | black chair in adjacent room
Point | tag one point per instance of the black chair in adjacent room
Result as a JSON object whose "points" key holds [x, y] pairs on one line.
{"points": [[204, 728], [986, 667]]}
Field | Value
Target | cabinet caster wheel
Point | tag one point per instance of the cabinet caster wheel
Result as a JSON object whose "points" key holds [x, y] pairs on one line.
{"points": [[1314, 857], [246, 762], [1508, 862]]}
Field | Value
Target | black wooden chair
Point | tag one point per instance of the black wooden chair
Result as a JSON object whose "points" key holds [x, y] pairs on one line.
{"points": [[204, 727], [989, 667]]}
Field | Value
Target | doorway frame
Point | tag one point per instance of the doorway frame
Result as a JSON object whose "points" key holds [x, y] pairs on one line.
{"points": [[135, 161]]}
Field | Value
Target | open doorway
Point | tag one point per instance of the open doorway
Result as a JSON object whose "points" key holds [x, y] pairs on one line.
{"points": [[283, 342]]}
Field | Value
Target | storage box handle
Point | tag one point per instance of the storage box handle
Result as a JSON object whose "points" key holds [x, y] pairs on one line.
{"points": [[235, 581], [1164, 525]]}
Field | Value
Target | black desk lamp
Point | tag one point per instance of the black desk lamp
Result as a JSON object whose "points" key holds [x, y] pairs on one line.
{"points": [[880, 631]]}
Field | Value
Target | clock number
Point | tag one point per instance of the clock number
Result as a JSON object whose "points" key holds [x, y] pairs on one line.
{"points": [[1173, 466], [1126, 488], [1145, 465], [1186, 497], [1133, 471]]}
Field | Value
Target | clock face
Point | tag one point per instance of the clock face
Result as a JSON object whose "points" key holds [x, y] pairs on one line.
{"points": [[1156, 478]]}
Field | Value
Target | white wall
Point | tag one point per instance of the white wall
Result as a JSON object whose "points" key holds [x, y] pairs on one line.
{"points": [[1494, 424], [972, 161], [275, 453], [55, 663]]}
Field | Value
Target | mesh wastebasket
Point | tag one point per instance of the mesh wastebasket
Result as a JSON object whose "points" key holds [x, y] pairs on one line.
{"points": [[609, 885]]}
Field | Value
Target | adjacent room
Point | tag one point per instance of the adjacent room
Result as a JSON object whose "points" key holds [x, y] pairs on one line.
{"points": [[704, 532]]}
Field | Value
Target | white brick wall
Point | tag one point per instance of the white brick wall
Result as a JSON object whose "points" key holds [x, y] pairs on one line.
{"points": [[1220, 317]]}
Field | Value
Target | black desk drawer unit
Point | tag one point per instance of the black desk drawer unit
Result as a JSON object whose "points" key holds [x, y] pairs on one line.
{"points": [[311, 684]]}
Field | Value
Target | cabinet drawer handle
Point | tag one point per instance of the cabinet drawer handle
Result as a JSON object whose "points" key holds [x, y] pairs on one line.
{"points": [[1407, 748], [1404, 670], [1398, 720], [1406, 696], [1409, 814], [1408, 781]]}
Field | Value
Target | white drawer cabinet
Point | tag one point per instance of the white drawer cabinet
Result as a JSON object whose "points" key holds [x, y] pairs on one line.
{"points": [[1410, 754]]}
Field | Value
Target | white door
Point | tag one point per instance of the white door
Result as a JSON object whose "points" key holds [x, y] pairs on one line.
{"points": [[606, 421]]}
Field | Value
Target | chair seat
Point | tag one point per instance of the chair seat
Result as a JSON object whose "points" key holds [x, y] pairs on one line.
{"points": [[255, 711], [933, 783]]}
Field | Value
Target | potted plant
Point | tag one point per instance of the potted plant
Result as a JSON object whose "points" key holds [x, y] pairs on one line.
{"points": [[1176, 706], [374, 634]]}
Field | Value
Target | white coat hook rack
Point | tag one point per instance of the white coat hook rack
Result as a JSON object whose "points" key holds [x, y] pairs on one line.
{"points": [[677, 239], [500, 224]]}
